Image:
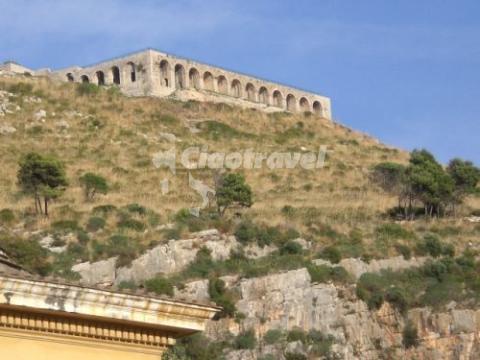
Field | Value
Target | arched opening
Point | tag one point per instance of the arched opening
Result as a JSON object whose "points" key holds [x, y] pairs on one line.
{"points": [[208, 81], [165, 73], [116, 75], [277, 99], [222, 84], [250, 89], [291, 103], [85, 79], [70, 77], [317, 108], [100, 78], [194, 77], [263, 95], [304, 105], [133, 72], [179, 77], [236, 88]]}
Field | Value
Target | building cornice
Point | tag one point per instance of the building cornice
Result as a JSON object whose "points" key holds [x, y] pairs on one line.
{"points": [[177, 317]]}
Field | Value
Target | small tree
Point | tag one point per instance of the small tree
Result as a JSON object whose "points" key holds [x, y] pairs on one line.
{"points": [[93, 184], [41, 177], [232, 190], [465, 177], [429, 183]]}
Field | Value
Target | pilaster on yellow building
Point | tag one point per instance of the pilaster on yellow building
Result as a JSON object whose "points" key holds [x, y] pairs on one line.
{"points": [[42, 320]]}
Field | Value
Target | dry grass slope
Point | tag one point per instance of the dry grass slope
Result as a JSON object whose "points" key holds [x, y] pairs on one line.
{"points": [[116, 137]]}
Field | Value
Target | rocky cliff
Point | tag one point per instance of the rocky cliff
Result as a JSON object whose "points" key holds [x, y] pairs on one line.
{"points": [[290, 301]]}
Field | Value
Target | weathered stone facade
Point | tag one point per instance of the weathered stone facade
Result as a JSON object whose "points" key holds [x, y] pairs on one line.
{"points": [[153, 73]]}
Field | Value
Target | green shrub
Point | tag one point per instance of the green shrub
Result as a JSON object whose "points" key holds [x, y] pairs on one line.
{"points": [[104, 210], [273, 336], [370, 288], [202, 265], [27, 253], [397, 298], [137, 208], [160, 286], [320, 344], [433, 246], [297, 335], [118, 245], [87, 89], [410, 336], [332, 254], [127, 285], [223, 298], [6, 216], [324, 273], [132, 224], [246, 232], [83, 237], [95, 223], [198, 347], [292, 248], [245, 341]]}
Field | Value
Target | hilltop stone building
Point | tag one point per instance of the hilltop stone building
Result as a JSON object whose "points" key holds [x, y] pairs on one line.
{"points": [[47, 320], [154, 73]]}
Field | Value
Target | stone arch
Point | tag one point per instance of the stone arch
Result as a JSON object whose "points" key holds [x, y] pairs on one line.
{"points": [[85, 79], [236, 88], [179, 76], [277, 99], [70, 77], [165, 73], [194, 78], [222, 84], [291, 103], [304, 104], [132, 69], [116, 75], [250, 90], [208, 82], [100, 78], [317, 108], [263, 95]]}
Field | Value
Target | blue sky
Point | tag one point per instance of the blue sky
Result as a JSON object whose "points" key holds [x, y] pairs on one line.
{"points": [[405, 71]]}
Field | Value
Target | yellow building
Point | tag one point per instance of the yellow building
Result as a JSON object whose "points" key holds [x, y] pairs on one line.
{"points": [[44, 320]]}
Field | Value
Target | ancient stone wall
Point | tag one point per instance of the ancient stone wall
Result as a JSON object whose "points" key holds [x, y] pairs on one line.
{"points": [[153, 73]]}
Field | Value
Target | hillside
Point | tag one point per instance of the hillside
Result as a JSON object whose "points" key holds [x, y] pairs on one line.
{"points": [[334, 213]]}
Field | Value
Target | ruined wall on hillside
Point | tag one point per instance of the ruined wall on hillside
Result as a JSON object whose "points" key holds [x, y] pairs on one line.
{"points": [[153, 73]]}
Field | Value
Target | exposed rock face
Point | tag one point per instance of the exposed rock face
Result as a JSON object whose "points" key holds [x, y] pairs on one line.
{"points": [[164, 259], [357, 267], [176, 255], [289, 300], [98, 273], [194, 291]]}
